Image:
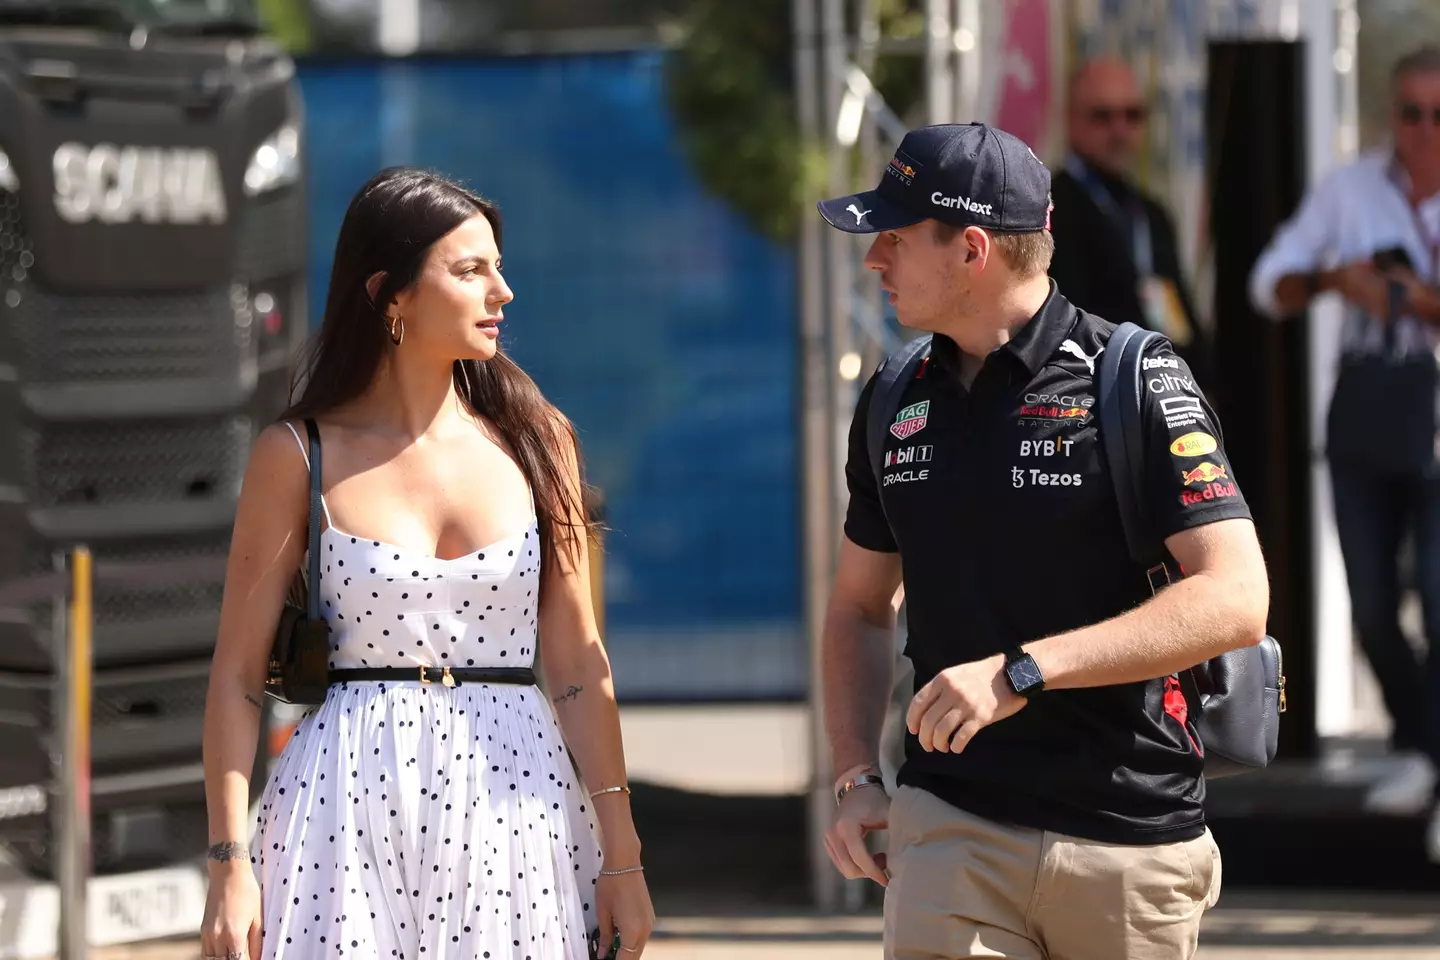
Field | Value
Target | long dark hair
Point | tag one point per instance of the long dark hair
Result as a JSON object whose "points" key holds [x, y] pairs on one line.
{"points": [[390, 227]]}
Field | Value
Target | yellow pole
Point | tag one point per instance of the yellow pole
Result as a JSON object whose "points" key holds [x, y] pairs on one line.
{"points": [[76, 665]]}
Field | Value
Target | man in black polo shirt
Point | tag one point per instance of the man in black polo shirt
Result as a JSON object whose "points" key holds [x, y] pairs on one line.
{"points": [[1050, 800]]}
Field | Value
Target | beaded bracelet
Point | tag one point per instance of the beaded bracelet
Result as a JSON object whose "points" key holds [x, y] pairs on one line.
{"points": [[616, 873]]}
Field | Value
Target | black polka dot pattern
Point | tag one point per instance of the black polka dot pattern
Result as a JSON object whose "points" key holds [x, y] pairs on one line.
{"points": [[423, 822]]}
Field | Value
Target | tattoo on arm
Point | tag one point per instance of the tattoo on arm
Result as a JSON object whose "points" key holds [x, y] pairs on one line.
{"points": [[227, 851], [253, 702], [571, 692]]}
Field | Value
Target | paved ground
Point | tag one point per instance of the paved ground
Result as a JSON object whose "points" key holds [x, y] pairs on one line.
{"points": [[1252, 926]]}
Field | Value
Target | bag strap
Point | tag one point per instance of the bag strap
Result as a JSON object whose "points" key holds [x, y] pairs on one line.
{"points": [[895, 374], [312, 591], [1122, 434]]}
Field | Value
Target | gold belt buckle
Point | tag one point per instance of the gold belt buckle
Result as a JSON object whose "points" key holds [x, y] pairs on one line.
{"points": [[445, 678]]}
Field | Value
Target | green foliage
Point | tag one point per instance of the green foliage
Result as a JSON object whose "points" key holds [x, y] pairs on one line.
{"points": [[731, 89], [288, 22]]}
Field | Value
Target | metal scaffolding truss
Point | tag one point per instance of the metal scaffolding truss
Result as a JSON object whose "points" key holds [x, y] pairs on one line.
{"points": [[844, 329]]}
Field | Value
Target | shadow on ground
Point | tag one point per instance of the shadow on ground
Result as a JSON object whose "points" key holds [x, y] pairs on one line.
{"points": [[1289, 882]]}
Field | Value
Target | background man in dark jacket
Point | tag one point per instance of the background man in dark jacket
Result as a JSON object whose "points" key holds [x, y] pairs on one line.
{"points": [[1115, 249]]}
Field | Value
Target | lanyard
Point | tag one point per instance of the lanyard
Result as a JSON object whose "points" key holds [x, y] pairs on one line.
{"points": [[1133, 221]]}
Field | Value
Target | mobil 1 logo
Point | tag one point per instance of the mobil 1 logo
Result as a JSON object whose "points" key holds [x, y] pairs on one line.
{"points": [[908, 457]]}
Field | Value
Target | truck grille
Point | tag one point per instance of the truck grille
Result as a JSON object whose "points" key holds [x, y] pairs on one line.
{"points": [[270, 245], [100, 338], [136, 462]]}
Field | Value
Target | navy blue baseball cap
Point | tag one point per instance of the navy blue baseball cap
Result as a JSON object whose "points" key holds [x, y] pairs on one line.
{"points": [[964, 174]]}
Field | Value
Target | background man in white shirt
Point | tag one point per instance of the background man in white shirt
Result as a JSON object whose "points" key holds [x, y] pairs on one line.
{"points": [[1370, 232]]}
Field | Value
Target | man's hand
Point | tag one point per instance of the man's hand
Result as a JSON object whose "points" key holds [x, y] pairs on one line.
{"points": [[1361, 284], [861, 810], [961, 701], [1421, 299]]}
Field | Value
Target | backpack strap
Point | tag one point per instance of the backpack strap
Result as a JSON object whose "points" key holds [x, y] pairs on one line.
{"points": [[895, 375], [1122, 434]]}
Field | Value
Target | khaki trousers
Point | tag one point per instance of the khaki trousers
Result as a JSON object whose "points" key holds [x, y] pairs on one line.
{"points": [[962, 886]]}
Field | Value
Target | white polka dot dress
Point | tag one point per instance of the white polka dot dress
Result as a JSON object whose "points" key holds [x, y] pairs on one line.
{"points": [[409, 821]]}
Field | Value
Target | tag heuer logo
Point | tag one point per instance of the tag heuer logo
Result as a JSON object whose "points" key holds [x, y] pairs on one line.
{"points": [[911, 420]]}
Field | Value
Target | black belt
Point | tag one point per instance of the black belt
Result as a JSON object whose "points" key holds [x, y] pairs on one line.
{"points": [[445, 676]]}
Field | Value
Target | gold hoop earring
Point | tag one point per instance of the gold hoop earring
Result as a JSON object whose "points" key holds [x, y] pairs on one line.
{"points": [[397, 321]]}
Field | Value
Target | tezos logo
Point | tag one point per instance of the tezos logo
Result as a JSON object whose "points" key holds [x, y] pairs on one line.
{"points": [[963, 203], [1039, 478]]}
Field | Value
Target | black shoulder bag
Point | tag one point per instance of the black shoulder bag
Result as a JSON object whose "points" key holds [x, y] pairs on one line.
{"points": [[1235, 700], [300, 656]]}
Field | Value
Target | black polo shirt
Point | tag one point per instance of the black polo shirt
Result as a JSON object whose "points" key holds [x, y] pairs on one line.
{"points": [[1008, 530]]}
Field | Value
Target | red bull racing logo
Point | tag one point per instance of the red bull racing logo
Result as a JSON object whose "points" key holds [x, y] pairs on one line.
{"points": [[1042, 411], [1216, 479], [903, 168], [1207, 472]]}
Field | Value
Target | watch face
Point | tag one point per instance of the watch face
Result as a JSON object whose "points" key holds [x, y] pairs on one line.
{"points": [[1024, 674]]}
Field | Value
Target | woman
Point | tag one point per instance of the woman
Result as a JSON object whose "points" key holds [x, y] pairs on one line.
{"points": [[407, 819]]}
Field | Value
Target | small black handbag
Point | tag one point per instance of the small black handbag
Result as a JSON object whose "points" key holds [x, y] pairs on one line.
{"points": [[300, 656], [1382, 411], [1234, 700]]}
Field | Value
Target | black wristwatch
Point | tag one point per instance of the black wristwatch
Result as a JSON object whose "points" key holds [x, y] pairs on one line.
{"points": [[1023, 672]]}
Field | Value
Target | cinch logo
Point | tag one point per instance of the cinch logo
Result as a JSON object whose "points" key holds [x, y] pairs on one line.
{"points": [[911, 420], [965, 203], [1214, 491]]}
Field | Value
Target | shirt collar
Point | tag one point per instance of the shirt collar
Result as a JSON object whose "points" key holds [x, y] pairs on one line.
{"points": [[1032, 345]]}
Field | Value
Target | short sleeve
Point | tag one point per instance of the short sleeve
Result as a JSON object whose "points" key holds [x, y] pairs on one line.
{"points": [[865, 523], [1189, 480]]}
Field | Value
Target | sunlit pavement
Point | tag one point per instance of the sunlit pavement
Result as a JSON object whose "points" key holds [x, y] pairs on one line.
{"points": [[1247, 925]]}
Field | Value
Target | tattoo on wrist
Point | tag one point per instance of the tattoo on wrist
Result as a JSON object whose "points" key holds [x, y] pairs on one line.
{"points": [[253, 702], [227, 851], [571, 692]]}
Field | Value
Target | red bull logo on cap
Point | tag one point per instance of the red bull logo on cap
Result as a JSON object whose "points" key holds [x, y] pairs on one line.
{"points": [[1207, 472], [903, 168]]}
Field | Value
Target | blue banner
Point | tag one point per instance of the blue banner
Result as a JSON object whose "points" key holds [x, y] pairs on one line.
{"points": [[646, 310]]}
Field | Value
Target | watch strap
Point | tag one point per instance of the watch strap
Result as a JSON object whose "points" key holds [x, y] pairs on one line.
{"points": [[865, 779]]}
